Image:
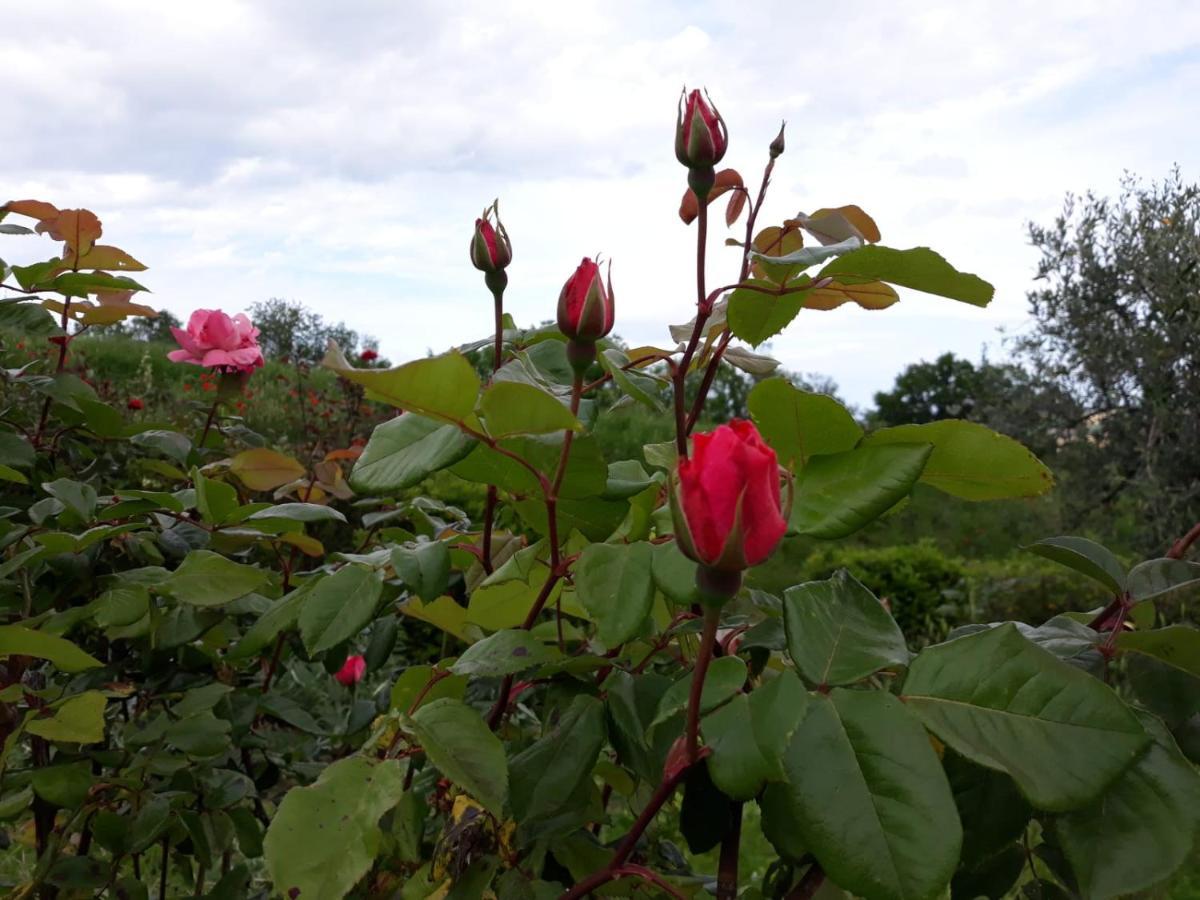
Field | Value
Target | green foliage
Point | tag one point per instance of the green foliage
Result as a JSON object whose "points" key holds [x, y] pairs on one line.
{"points": [[247, 648]]}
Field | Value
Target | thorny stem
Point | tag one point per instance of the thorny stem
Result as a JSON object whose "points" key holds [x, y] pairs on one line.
{"points": [[208, 423], [1181, 546], [708, 639], [614, 868], [64, 320], [274, 662], [709, 374], [489, 509], [703, 310]]}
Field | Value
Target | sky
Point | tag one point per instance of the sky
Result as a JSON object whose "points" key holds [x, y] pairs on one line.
{"points": [[337, 154]]}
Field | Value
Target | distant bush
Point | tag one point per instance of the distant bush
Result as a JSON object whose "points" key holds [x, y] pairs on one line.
{"points": [[1026, 588]]}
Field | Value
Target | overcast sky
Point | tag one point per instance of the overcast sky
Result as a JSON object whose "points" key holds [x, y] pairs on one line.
{"points": [[337, 154]]}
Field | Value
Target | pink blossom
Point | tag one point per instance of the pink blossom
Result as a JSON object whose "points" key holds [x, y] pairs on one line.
{"points": [[352, 670], [215, 340]]}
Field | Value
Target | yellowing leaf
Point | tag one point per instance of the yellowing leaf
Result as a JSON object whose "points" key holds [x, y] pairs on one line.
{"points": [[261, 469], [35, 209], [103, 256], [832, 225], [870, 295], [79, 228]]}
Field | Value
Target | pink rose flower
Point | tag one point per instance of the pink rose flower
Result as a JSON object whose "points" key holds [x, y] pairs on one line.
{"points": [[214, 340]]}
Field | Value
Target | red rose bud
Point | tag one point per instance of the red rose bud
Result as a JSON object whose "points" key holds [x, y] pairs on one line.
{"points": [[135, 403], [369, 355], [352, 670], [490, 248], [726, 505], [700, 135], [585, 305]]}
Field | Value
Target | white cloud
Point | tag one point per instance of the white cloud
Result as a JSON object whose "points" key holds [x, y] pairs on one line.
{"points": [[337, 155]]}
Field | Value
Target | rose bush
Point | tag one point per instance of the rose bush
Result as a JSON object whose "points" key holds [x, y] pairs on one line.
{"points": [[232, 671]]}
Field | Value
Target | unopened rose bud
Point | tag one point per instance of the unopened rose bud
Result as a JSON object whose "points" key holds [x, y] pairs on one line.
{"points": [[585, 313], [490, 247], [585, 305], [700, 135], [776, 147]]}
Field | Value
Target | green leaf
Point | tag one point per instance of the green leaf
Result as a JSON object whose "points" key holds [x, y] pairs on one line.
{"points": [[121, 605], [877, 811], [16, 451], [505, 653], [8, 473], [507, 603], [80, 284], [754, 316], [586, 475], [839, 494], [749, 735], [299, 512], [838, 632], [424, 568], [168, 443], [1088, 557], [615, 586], [441, 387], [1142, 829], [674, 574], [215, 500], [992, 810], [1161, 578], [205, 578], [800, 424], [919, 268], [510, 408], [726, 676], [201, 736], [339, 607], [413, 680], [547, 774], [79, 719], [19, 640], [64, 785], [324, 837], [643, 388], [405, 451], [970, 460], [1176, 645], [76, 496], [1005, 703], [282, 615], [28, 318], [464, 749]]}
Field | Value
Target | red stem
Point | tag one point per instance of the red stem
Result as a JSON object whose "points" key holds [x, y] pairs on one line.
{"points": [[727, 868], [708, 639], [809, 884], [602, 876]]}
